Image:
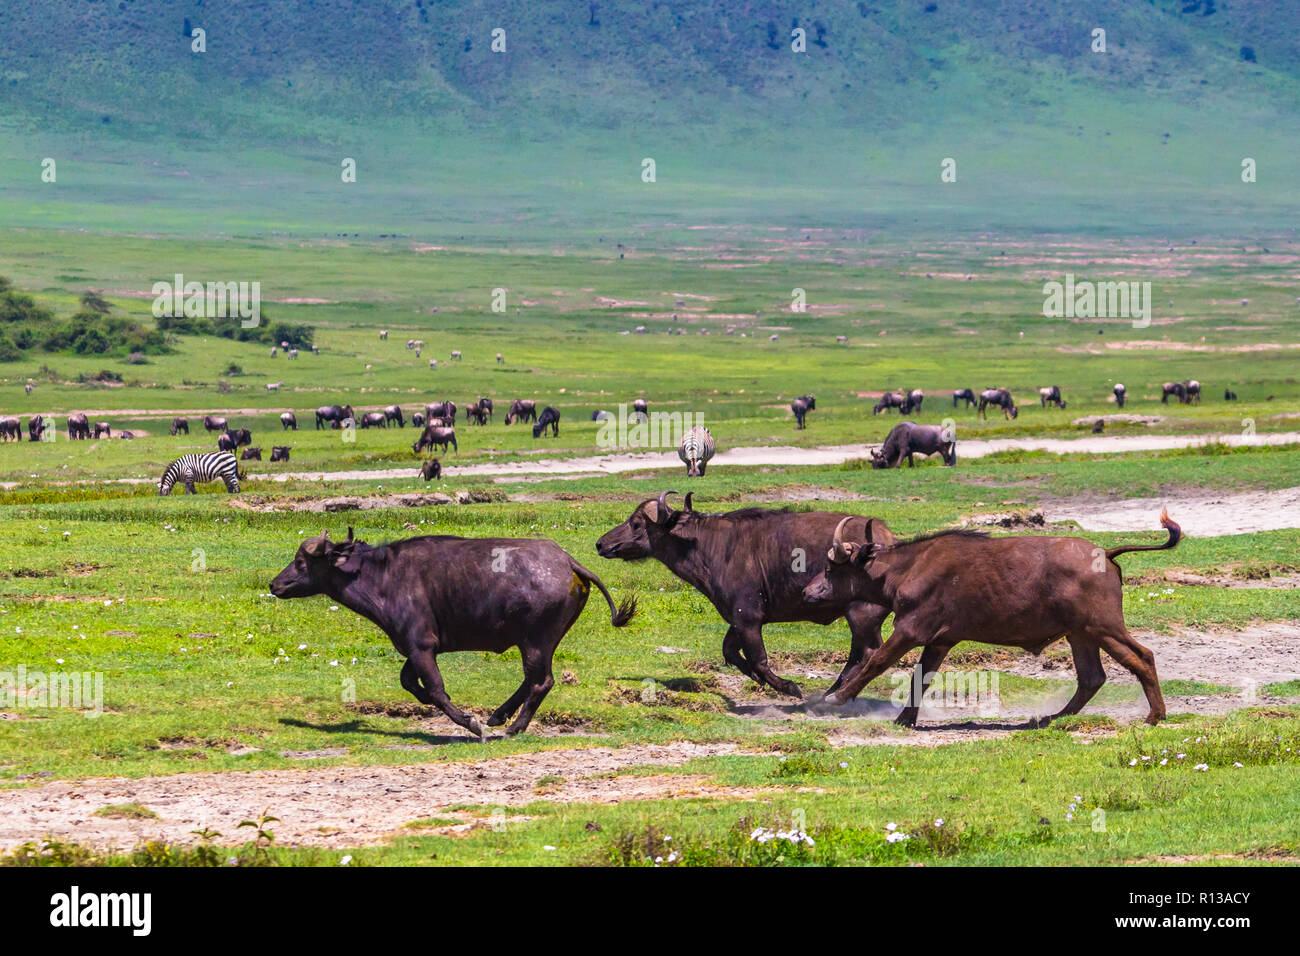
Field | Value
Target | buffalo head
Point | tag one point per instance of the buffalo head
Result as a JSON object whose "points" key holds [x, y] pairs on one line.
{"points": [[312, 568], [634, 538], [843, 576]]}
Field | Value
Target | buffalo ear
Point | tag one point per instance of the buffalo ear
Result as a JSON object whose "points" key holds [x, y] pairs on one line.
{"points": [[315, 547], [652, 512], [347, 558], [878, 534]]}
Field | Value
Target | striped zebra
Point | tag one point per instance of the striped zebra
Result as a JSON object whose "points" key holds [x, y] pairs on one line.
{"points": [[696, 449], [212, 466]]}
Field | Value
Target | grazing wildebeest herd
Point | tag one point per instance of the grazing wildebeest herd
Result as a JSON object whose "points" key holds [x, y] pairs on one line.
{"points": [[755, 566]]}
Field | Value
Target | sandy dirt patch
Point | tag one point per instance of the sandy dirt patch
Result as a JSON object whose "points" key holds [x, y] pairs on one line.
{"points": [[1202, 514], [341, 806]]}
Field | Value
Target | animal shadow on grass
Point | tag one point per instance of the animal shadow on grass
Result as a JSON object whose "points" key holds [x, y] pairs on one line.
{"points": [[364, 727]]}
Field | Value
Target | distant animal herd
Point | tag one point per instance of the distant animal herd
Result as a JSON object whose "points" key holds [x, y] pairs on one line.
{"points": [[437, 424]]}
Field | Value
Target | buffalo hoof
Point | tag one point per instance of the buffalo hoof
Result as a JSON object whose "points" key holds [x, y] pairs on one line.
{"points": [[1153, 718], [790, 689], [1038, 723], [495, 721], [906, 718], [827, 701], [475, 728]]}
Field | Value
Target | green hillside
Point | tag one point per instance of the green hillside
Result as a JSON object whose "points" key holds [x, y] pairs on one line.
{"points": [[547, 137]]}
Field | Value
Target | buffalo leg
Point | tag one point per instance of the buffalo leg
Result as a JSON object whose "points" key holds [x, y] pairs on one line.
{"points": [[864, 624], [431, 691], [1142, 664], [1090, 674], [931, 659], [731, 653], [899, 643], [752, 641], [538, 682]]}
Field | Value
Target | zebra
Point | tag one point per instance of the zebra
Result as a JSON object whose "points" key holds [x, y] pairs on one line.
{"points": [[696, 449], [210, 466]]}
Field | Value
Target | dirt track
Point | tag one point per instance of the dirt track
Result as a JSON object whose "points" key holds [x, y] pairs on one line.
{"points": [[788, 455], [337, 806]]}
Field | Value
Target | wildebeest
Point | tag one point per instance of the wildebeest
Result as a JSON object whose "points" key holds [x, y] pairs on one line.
{"points": [[500, 360], [474, 415], [1229, 395], [273, 386], [1000, 397], [11, 428], [1099, 426], [431, 469], [1024, 591], [963, 394], [445, 410], [435, 435], [907, 439], [913, 401], [550, 417], [226, 442], [522, 410], [486, 405], [288, 421], [126, 435], [801, 406], [842, 339], [696, 449], [242, 436], [436, 594], [1177, 389], [1193, 391], [383, 335], [393, 413], [410, 343], [279, 452], [213, 423], [1120, 393], [417, 419], [641, 409], [251, 454], [455, 355], [1051, 395], [599, 415], [890, 400], [78, 426], [374, 420], [180, 424], [336, 415], [35, 428], [102, 430], [752, 565]]}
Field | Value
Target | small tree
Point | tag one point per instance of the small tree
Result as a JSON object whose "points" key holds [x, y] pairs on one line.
{"points": [[92, 301]]}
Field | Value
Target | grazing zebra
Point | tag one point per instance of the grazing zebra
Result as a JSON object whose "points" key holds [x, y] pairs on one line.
{"points": [[696, 449], [210, 466]]}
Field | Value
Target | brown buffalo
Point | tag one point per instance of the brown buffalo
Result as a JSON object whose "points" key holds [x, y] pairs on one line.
{"points": [[1023, 591]]}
